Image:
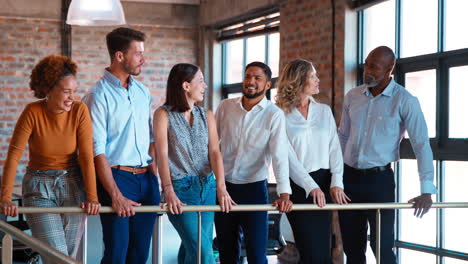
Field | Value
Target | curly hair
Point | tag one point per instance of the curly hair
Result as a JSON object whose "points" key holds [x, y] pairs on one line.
{"points": [[48, 72], [291, 82]]}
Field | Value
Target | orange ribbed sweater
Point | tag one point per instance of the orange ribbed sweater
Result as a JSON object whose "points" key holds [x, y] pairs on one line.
{"points": [[56, 142]]}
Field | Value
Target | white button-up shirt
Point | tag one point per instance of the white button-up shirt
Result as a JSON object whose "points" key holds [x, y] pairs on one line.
{"points": [[315, 145], [251, 140]]}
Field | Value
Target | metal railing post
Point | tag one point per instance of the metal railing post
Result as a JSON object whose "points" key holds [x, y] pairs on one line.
{"points": [[157, 238], [7, 249], [377, 236], [199, 238], [44, 249], [84, 240]]}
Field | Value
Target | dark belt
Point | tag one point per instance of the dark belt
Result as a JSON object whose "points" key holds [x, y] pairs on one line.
{"points": [[369, 170], [134, 170]]}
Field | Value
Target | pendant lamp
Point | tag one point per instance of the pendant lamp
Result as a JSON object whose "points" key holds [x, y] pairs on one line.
{"points": [[95, 13]]}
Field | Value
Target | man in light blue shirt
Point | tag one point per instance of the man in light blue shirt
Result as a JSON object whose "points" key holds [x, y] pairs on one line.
{"points": [[120, 108], [374, 120]]}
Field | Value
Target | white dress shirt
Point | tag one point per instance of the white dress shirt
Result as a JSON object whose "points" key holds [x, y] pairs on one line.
{"points": [[251, 140], [315, 145]]}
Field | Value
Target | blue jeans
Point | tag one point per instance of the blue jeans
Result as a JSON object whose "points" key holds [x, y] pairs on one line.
{"points": [[127, 239], [254, 225], [195, 190]]}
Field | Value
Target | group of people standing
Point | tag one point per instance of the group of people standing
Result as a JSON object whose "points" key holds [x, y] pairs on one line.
{"points": [[206, 159]]}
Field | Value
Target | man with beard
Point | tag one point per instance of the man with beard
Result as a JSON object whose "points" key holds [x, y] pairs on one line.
{"points": [[120, 108], [375, 117], [252, 134]]}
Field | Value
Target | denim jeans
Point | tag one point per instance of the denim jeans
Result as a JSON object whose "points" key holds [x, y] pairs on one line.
{"points": [[195, 190], [127, 239]]}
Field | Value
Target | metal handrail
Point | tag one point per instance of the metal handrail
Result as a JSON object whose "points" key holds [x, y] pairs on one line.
{"points": [[244, 208], [42, 248], [257, 207]]}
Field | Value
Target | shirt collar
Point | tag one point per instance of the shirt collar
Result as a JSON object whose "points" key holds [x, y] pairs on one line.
{"points": [[388, 91], [263, 103], [114, 80]]}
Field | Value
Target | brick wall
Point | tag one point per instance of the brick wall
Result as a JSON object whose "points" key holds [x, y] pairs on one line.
{"points": [[306, 32], [25, 41], [164, 47]]}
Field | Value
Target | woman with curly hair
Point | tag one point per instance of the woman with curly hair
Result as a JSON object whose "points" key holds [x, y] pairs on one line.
{"points": [[316, 162], [59, 133]]}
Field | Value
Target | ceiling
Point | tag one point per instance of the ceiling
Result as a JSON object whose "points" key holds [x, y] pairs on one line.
{"points": [[186, 2]]}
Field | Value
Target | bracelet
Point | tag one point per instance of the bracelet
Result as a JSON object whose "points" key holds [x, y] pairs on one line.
{"points": [[167, 185]]}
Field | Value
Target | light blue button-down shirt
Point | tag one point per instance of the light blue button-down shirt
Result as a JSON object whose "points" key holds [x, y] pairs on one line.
{"points": [[122, 121], [372, 128]]}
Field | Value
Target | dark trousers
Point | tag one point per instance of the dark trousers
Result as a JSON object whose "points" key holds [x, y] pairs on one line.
{"points": [[127, 239], [254, 225], [312, 229], [377, 187]]}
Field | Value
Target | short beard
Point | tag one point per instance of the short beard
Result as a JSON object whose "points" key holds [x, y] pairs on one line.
{"points": [[370, 81], [252, 96], [130, 71], [255, 95]]}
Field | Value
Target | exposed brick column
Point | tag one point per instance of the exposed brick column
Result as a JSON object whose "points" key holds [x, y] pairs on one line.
{"points": [[306, 32]]}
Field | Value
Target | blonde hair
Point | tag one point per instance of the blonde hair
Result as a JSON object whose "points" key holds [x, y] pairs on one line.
{"points": [[291, 82]]}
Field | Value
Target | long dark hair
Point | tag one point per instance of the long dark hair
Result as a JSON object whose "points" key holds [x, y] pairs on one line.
{"points": [[175, 95]]}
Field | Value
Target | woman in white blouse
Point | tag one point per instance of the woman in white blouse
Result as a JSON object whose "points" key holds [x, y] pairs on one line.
{"points": [[315, 160]]}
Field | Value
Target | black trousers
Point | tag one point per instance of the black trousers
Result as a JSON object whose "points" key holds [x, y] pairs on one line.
{"points": [[254, 225], [312, 229], [377, 187]]}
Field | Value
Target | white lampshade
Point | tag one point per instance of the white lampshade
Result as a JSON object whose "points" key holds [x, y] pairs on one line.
{"points": [[95, 13]]}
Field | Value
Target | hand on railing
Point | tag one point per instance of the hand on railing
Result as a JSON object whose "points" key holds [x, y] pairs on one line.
{"points": [[9, 208], [224, 199], [123, 206], [172, 201], [422, 204], [318, 196], [92, 208], [339, 196], [283, 204]]}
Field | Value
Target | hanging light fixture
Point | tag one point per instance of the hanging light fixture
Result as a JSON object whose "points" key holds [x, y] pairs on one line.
{"points": [[95, 13]]}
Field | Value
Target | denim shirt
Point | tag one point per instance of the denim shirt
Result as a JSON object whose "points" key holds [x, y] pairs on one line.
{"points": [[122, 121], [372, 128]]}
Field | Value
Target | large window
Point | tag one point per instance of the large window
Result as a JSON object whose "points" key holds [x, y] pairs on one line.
{"points": [[429, 40], [256, 40]]}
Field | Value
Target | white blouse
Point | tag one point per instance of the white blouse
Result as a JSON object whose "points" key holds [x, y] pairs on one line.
{"points": [[314, 145]]}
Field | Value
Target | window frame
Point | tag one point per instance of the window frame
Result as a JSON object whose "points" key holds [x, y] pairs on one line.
{"points": [[227, 89], [443, 147]]}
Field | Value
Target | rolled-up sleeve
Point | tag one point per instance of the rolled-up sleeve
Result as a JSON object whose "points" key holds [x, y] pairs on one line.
{"points": [[98, 110]]}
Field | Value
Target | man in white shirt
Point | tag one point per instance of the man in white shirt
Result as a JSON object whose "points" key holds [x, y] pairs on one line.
{"points": [[252, 134]]}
